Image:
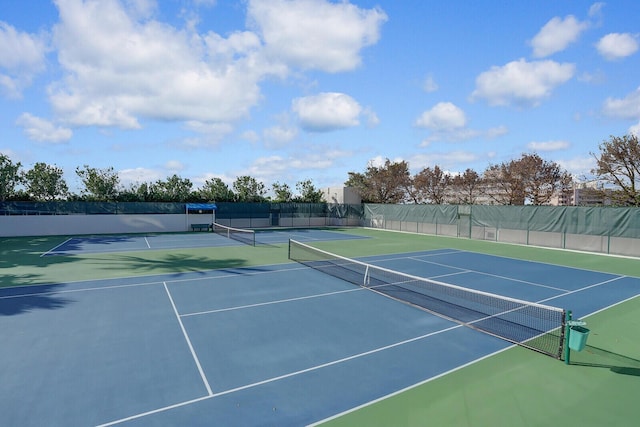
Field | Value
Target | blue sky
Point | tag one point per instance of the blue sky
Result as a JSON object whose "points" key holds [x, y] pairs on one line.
{"points": [[290, 90]]}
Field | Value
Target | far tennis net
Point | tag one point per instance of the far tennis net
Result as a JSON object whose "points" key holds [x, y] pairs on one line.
{"points": [[239, 234], [531, 325]]}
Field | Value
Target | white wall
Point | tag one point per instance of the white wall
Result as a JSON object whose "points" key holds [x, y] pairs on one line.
{"points": [[52, 225]]}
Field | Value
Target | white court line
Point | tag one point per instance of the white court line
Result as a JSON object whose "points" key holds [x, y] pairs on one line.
{"points": [[155, 411], [497, 276], [584, 289], [186, 337], [317, 423], [258, 304], [56, 247], [273, 379], [147, 242], [70, 291], [428, 380]]}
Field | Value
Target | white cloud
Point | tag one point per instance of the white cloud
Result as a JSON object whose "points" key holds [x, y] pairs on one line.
{"points": [[250, 135], [451, 160], [635, 130], [578, 166], [442, 116], [379, 161], [447, 122], [315, 34], [174, 166], [548, 145], [497, 131], [277, 167], [279, 136], [597, 77], [429, 84], [141, 175], [118, 69], [625, 108], [327, 111], [120, 66], [617, 45], [41, 130], [142, 8], [22, 56], [372, 118], [556, 35], [521, 82], [596, 9]]}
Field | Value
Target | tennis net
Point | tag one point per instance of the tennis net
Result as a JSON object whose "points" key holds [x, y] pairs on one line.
{"points": [[239, 234], [531, 325]]}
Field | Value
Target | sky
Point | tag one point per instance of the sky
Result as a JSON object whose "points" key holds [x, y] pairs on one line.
{"points": [[293, 90]]}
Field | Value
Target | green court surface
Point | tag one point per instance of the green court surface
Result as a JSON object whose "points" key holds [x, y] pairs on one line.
{"points": [[515, 387]]}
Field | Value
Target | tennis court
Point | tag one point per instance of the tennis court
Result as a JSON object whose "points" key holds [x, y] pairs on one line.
{"points": [[249, 343], [132, 243]]}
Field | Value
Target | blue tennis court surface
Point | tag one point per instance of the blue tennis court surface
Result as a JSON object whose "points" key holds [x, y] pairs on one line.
{"points": [[280, 345], [126, 243]]}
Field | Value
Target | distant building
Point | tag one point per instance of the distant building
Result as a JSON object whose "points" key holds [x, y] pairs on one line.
{"points": [[583, 194], [341, 195]]}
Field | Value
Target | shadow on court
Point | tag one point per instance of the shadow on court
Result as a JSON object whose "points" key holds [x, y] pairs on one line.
{"points": [[600, 358], [177, 263], [43, 299]]}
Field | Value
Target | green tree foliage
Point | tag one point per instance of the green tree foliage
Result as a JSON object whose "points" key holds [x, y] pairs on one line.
{"points": [[618, 164], [382, 184], [173, 189], [248, 189], [99, 184], [9, 177], [308, 192], [282, 192], [215, 190], [45, 183], [136, 192]]}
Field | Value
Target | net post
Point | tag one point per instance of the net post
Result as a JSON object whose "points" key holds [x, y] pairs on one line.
{"points": [[289, 252], [366, 275], [567, 350]]}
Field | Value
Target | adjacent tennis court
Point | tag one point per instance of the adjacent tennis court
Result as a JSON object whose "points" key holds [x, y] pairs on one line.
{"points": [[254, 342]]}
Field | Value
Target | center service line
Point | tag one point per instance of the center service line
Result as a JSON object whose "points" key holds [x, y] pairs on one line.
{"points": [[186, 337]]}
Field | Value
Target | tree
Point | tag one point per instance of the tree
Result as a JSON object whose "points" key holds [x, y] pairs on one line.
{"points": [[528, 179], [99, 184], [431, 185], [215, 190], [9, 177], [542, 179], [618, 163], [308, 192], [282, 192], [382, 184], [248, 189], [466, 187], [135, 192], [45, 183], [174, 189], [503, 184]]}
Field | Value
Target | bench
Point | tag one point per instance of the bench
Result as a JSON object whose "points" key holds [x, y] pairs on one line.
{"points": [[200, 227]]}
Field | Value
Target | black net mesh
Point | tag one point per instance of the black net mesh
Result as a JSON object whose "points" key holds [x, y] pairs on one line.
{"points": [[535, 326]]}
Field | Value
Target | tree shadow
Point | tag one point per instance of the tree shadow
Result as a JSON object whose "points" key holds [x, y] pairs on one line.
{"points": [[601, 358], [19, 300], [177, 263], [23, 252]]}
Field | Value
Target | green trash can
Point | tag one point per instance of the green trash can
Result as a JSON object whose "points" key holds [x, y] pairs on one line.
{"points": [[578, 338]]}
